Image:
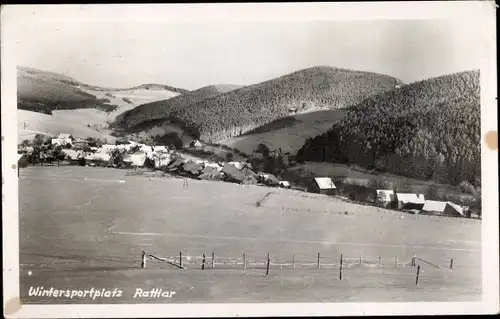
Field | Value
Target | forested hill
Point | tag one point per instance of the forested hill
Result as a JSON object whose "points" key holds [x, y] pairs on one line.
{"points": [[162, 109], [428, 130], [244, 109]]}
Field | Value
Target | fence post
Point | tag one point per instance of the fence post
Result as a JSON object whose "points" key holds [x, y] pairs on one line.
{"points": [[418, 273], [451, 263], [379, 263], [213, 259], [293, 261], [318, 261], [360, 260], [180, 258], [341, 260], [203, 262], [268, 262], [143, 261], [244, 260], [396, 261]]}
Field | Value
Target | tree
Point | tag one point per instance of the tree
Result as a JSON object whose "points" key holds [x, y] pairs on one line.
{"points": [[262, 149], [38, 140], [229, 157], [25, 143], [432, 192], [403, 186], [149, 163]]}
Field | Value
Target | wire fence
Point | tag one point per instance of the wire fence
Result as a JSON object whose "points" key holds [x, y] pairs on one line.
{"points": [[212, 261]]}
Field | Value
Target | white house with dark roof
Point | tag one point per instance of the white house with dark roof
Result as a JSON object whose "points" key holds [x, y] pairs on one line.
{"points": [[63, 139], [322, 185], [410, 201]]}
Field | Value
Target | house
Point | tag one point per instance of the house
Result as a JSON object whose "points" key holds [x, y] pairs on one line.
{"points": [[101, 159], [443, 208], [214, 166], [385, 197], [284, 184], [136, 159], [63, 139], [238, 165], [162, 159], [192, 168], [175, 165], [73, 156], [233, 174], [209, 170], [322, 185], [160, 149], [409, 201], [268, 179], [195, 143], [109, 147]]}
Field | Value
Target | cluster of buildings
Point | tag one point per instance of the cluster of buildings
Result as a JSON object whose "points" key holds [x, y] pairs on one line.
{"points": [[417, 204], [409, 202], [133, 154]]}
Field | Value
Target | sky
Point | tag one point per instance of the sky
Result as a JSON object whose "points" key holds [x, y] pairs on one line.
{"points": [[117, 49]]}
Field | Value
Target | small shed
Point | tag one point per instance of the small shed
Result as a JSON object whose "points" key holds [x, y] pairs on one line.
{"points": [[322, 185], [215, 176]]}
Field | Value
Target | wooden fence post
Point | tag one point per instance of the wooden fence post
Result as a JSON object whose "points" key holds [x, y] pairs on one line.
{"points": [[213, 259], [268, 262], [396, 261], [379, 262], [451, 263], [293, 261], [341, 261], [143, 259], [244, 260], [203, 262], [418, 273], [318, 261], [180, 258], [360, 260]]}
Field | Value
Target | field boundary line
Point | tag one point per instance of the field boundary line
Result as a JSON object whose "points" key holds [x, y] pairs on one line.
{"points": [[294, 241]]}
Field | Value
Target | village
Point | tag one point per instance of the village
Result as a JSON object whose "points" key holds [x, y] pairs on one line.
{"points": [[64, 149]]}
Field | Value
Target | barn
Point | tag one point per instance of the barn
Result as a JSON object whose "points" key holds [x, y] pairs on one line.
{"points": [[443, 208], [408, 201], [322, 185]]}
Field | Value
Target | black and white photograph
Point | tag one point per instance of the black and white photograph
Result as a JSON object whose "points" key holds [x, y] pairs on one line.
{"points": [[217, 159]]}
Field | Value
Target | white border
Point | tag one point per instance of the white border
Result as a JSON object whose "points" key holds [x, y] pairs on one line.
{"points": [[481, 11]]}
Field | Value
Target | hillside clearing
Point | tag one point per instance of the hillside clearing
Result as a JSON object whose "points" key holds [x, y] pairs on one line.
{"points": [[290, 134]]}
